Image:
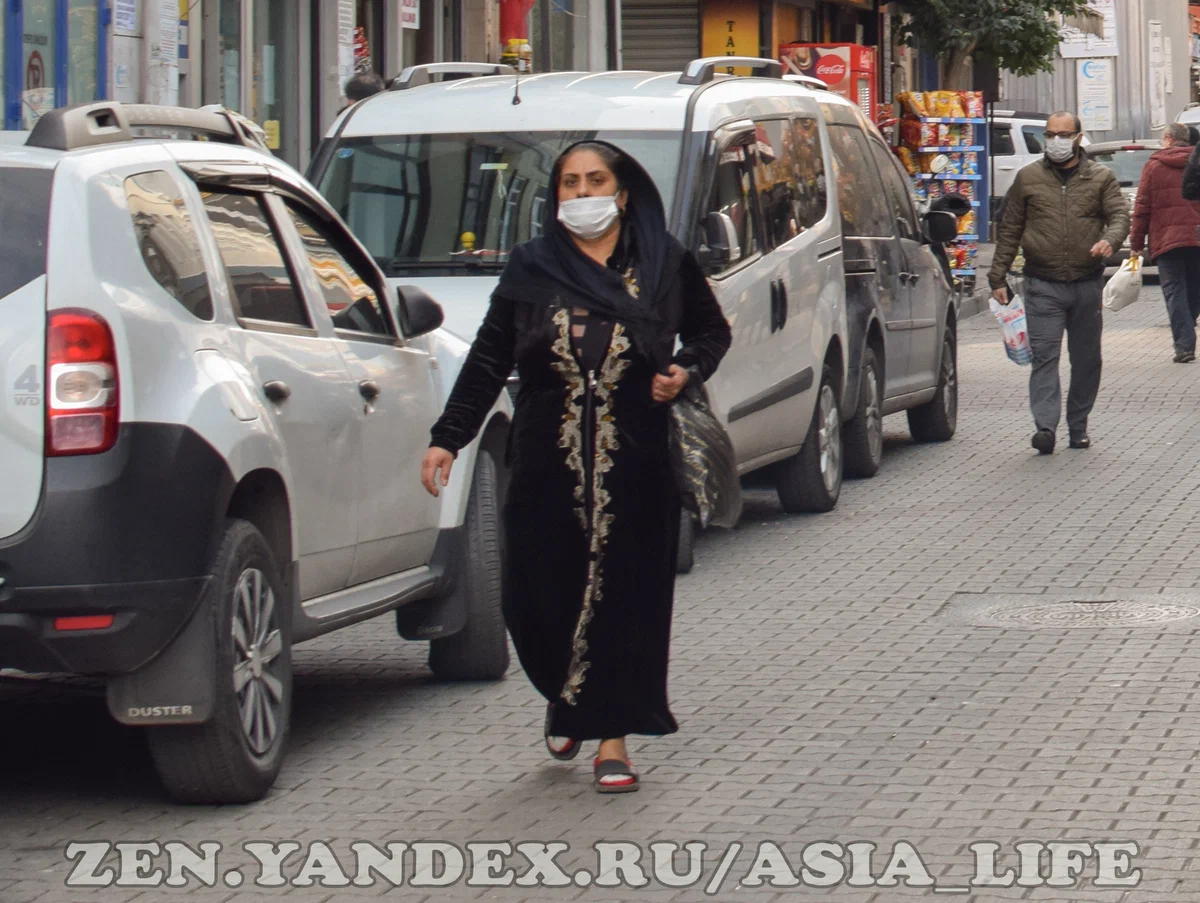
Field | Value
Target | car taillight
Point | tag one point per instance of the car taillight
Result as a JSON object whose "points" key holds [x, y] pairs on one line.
{"points": [[82, 391]]}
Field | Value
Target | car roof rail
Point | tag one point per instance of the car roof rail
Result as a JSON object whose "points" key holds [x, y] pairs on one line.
{"points": [[703, 71], [110, 122], [807, 80], [413, 76]]}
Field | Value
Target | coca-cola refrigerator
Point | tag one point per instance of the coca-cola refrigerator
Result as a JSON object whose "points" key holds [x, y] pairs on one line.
{"points": [[848, 69]]}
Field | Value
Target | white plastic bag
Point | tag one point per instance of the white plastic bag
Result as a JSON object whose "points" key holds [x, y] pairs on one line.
{"points": [[1014, 329], [1123, 289]]}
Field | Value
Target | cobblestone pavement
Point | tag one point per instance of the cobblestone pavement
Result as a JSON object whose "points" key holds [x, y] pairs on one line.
{"points": [[830, 674]]}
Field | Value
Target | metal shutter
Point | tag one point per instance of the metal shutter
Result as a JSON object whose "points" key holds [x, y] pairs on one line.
{"points": [[659, 35]]}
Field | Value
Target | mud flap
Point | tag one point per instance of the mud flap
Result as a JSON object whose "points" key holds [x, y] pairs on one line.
{"points": [[446, 614], [179, 686]]}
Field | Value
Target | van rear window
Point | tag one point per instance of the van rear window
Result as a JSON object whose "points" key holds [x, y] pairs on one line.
{"points": [[24, 224]]}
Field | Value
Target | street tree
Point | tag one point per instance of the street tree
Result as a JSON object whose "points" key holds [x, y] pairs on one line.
{"points": [[1021, 36]]}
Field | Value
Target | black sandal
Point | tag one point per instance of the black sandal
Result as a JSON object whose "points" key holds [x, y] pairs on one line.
{"points": [[564, 753], [614, 768]]}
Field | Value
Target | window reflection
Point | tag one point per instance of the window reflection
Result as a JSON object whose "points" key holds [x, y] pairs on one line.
{"points": [[352, 303], [168, 241], [253, 260]]}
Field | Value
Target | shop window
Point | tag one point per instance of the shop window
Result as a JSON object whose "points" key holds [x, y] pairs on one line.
{"points": [[37, 49], [230, 53], [82, 34], [275, 94], [254, 263], [861, 199], [168, 241], [352, 303], [733, 196]]}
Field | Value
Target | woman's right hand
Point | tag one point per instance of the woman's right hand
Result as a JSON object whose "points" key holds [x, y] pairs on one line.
{"points": [[436, 468]]}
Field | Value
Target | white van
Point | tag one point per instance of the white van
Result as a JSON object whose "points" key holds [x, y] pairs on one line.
{"points": [[798, 210]]}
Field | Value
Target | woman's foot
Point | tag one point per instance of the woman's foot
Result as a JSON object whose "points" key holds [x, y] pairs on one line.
{"points": [[562, 748], [612, 770]]}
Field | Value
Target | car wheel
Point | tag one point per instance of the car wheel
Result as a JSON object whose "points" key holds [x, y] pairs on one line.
{"points": [[236, 755], [864, 433], [937, 419], [480, 650], [812, 479], [685, 558]]}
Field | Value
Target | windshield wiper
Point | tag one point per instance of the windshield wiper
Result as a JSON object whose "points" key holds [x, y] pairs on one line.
{"points": [[398, 265]]}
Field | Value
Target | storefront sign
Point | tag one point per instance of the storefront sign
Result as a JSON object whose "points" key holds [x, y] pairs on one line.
{"points": [[125, 16], [410, 13], [730, 28], [1095, 93], [1076, 44]]}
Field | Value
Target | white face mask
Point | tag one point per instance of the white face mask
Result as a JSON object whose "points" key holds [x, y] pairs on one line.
{"points": [[589, 218], [1059, 149]]}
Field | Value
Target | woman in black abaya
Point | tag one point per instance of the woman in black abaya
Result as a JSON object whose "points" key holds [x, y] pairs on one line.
{"points": [[589, 313]]}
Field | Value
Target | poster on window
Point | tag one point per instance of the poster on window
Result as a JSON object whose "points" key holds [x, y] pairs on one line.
{"points": [[125, 17], [1095, 93]]}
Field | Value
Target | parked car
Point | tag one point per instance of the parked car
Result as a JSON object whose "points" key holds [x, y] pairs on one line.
{"points": [[1125, 159], [212, 439], [841, 312]]}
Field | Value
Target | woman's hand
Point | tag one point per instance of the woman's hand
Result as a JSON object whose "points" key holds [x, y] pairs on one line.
{"points": [[437, 463], [665, 388]]}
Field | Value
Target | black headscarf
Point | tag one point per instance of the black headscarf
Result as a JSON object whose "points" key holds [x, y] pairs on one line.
{"points": [[552, 265]]}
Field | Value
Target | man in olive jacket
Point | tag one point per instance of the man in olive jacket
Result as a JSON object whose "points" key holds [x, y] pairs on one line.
{"points": [[1068, 214]]}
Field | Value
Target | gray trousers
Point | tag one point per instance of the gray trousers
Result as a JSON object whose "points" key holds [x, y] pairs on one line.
{"points": [[1050, 309]]}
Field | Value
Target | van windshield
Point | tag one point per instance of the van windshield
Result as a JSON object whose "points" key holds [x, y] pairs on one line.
{"points": [[456, 204]]}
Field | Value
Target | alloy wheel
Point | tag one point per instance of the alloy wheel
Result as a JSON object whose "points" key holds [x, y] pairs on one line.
{"points": [[830, 439], [258, 643]]}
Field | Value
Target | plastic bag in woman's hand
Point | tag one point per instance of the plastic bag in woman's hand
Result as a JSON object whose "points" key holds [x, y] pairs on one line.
{"points": [[1123, 289], [1014, 329]]}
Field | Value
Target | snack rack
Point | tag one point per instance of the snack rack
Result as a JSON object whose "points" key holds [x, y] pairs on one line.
{"points": [[964, 139]]}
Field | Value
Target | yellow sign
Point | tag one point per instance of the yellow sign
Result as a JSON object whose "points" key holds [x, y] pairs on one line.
{"points": [[730, 28], [271, 127], [184, 6]]}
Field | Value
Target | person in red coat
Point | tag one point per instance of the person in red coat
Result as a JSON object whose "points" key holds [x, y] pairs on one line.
{"points": [[1170, 221]]}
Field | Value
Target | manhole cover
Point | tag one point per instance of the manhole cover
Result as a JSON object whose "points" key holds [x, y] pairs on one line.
{"points": [[1018, 611]]}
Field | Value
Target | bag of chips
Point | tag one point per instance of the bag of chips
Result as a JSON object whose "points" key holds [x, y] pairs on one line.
{"points": [[929, 134], [913, 103], [906, 159], [973, 103], [970, 164]]}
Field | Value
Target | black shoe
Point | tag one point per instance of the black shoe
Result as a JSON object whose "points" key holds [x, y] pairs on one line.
{"points": [[1184, 357], [1080, 440], [1043, 441]]}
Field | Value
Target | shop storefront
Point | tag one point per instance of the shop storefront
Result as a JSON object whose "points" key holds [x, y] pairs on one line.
{"points": [[52, 53]]}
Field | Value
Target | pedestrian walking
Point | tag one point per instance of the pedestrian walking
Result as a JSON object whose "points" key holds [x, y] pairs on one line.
{"points": [[1170, 221], [589, 313], [1067, 214]]}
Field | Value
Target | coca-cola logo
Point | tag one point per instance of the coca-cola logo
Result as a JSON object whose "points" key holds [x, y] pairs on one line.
{"points": [[831, 70]]}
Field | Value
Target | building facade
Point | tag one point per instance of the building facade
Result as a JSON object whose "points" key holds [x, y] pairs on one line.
{"points": [[1130, 85]]}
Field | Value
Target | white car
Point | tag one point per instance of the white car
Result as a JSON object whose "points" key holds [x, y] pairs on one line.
{"points": [[801, 215], [211, 433]]}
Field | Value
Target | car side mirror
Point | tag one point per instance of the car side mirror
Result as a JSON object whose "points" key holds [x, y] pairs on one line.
{"points": [[721, 246], [419, 314], [941, 226]]}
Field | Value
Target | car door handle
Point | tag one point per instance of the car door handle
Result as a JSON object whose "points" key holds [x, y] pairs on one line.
{"points": [[368, 389], [774, 304], [276, 390], [783, 304]]}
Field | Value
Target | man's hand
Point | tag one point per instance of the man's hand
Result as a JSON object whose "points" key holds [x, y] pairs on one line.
{"points": [[1102, 249], [665, 388], [436, 468], [1001, 294]]}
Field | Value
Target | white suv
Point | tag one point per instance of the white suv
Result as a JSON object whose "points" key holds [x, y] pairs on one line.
{"points": [[211, 433]]}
